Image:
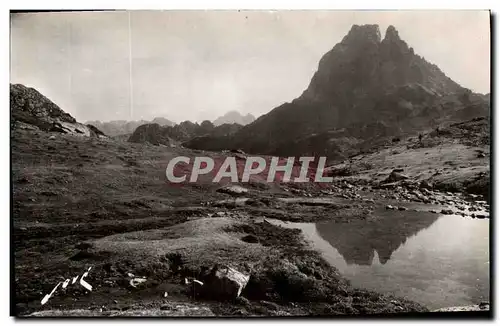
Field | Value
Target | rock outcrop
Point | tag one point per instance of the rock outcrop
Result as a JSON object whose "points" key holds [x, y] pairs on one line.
{"points": [[31, 110], [152, 133]]}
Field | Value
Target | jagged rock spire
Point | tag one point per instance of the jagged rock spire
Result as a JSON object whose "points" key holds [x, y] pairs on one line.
{"points": [[392, 34]]}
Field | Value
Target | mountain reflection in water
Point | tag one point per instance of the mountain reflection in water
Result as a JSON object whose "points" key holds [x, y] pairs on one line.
{"points": [[437, 260], [359, 240]]}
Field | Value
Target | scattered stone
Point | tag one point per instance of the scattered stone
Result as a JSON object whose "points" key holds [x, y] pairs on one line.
{"points": [[434, 211], [463, 308], [233, 190], [481, 216], [52, 137], [390, 185], [447, 211], [389, 207], [401, 208], [165, 294]]}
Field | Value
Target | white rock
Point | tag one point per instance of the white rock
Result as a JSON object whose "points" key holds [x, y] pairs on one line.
{"points": [[136, 281], [233, 190]]}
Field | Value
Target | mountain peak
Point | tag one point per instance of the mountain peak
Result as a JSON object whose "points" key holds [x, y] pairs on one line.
{"points": [[364, 90], [234, 117], [360, 33], [392, 34]]}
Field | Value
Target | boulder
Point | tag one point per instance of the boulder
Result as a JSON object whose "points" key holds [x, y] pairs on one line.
{"points": [[396, 176], [224, 282], [424, 184]]}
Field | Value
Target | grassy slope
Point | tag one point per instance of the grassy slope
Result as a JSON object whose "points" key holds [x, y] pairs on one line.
{"points": [[80, 202]]}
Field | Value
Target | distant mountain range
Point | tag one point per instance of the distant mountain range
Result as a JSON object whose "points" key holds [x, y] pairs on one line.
{"points": [[32, 110], [366, 89], [155, 134], [123, 127], [234, 117]]}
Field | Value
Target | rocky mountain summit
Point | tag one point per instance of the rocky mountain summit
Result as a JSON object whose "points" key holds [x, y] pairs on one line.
{"points": [[366, 89], [234, 117], [31, 110]]}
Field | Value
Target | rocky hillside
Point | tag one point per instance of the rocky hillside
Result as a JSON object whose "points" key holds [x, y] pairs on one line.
{"points": [[170, 135], [123, 127], [365, 89], [31, 110], [234, 117]]}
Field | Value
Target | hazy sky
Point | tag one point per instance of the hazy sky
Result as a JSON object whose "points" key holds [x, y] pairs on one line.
{"points": [[196, 65]]}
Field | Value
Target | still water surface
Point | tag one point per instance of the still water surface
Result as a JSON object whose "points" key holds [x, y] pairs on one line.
{"points": [[437, 260]]}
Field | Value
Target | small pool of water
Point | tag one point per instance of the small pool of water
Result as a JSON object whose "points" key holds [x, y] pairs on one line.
{"points": [[436, 260]]}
